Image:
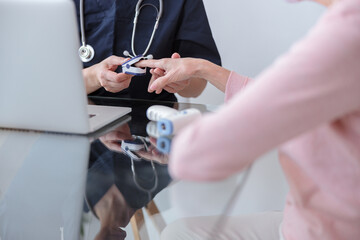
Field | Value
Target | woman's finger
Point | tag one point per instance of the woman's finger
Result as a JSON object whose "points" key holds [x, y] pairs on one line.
{"points": [[159, 83], [171, 89], [150, 64]]}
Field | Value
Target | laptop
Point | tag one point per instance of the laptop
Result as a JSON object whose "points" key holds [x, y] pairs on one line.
{"points": [[41, 83]]}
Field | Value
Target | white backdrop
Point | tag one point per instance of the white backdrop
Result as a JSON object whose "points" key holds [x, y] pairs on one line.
{"points": [[250, 34]]}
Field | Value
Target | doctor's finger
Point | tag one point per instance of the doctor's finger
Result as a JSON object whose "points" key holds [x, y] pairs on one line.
{"points": [[122, 77], [115, 60], [117, 135], [115, 86], [108, 75], [116, 77], [115, 146]]}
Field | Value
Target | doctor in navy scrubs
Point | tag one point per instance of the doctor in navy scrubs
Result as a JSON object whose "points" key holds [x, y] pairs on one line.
{"points": [[183, 29]]}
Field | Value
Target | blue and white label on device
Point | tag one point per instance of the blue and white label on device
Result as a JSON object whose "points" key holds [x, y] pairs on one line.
{"points": [[163, 144], [129, 68], [165, 127]]}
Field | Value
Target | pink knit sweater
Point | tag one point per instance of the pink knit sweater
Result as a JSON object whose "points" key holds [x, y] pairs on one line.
{"points": [[308, 104]]}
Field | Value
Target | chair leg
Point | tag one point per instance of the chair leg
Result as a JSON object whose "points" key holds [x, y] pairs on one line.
{"points": [[155, 216], [138, 226]]}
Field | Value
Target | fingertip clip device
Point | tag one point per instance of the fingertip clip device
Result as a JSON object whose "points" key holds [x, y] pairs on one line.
{"points": [[129, 68]]}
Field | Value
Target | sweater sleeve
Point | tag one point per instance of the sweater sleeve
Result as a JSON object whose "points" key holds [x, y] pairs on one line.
{"points": [[316, 82], [235, 83]]}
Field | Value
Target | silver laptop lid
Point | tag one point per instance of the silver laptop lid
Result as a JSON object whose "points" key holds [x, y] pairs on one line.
{"points": [[41, 85]]}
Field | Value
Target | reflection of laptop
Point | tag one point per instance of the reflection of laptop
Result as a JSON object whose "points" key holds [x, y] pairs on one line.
{"points": [[42, 186], [41, 85]]}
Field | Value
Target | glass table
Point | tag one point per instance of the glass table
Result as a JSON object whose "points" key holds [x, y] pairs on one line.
{"points": [[112, 184]]}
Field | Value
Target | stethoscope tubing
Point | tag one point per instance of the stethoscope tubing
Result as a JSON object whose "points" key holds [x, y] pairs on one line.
{"points": [[82, 24], [156, 25], [91, 52]]}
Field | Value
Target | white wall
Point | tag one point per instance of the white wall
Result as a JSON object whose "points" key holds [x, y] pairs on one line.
{"points": [[250, 34]]}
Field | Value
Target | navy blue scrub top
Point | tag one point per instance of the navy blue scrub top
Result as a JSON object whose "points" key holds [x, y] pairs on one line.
{"points": [[107, 168], [183, 28]]}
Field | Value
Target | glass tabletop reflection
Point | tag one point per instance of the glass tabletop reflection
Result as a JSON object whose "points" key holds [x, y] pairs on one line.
{"points": [[112, 184]]}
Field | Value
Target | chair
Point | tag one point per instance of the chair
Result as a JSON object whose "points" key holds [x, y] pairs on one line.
{"points": [[138, 221]]}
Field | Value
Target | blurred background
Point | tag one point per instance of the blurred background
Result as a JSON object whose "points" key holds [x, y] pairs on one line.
{"points": [[251, 34]]}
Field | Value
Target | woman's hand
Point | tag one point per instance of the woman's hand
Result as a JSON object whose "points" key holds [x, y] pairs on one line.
{"points": [[103, 75], [173, 87], [153, 153], [171, 74]]}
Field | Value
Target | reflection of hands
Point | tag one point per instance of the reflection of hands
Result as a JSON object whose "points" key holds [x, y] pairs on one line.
{"points": [[171, 87], [112, 140], [153, 154], [103, 75], [114, 212]]}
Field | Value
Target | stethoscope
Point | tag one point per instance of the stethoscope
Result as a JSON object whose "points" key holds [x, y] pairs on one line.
{"points": [[87, 52]]}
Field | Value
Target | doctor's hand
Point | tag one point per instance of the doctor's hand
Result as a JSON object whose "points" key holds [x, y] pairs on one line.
{"points": [[103, 75], [112, 140], [172, 87]]}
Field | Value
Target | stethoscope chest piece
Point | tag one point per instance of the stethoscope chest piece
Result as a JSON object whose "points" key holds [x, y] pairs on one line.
{"points": [[86, 53]]}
